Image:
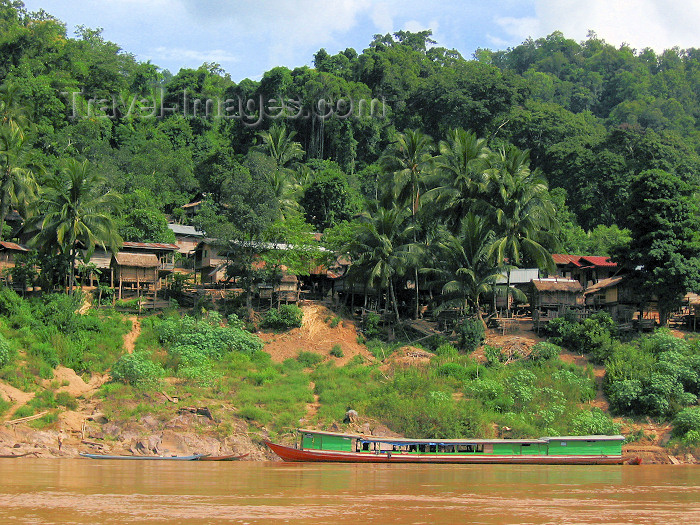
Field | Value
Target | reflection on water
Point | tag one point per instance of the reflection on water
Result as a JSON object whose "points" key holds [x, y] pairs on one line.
{"points": [[87, 491]]}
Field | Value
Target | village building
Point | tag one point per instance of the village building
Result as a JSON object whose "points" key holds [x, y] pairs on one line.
{"points": [[586, 269], [8, 254], [210, 261], [551, 298], [136, 274], [186, 238], [107, 267]]}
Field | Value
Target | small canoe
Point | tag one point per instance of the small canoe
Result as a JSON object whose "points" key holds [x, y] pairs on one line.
{"points": [[231, 457], [174, 458]]}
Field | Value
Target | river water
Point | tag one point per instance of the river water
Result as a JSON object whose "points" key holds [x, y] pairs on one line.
{"points": [[39, 491]]}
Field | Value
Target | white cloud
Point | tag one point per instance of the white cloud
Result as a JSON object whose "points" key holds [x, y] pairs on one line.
{"points": [[659, 24], [192, 56], [382, 18]]}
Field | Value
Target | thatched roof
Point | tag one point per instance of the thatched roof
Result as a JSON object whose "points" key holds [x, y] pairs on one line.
{"points": [[11, 246], [139, 260], [603, 284], [557, 285]]}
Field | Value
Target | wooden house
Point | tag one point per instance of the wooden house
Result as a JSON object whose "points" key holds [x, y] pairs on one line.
{"points": [[8, 252], [586, 269], [136, 274], [186, 238], [103, 260], [551, 298], [210, 261], [287, 290]]}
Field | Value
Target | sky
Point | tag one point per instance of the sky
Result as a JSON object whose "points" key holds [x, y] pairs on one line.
{"points": [[247, 38]]}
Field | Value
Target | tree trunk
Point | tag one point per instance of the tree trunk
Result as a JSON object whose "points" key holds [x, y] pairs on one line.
{"points": [[478, 313], [3, 210], [508, 294], [71, 271], [393, 299]]}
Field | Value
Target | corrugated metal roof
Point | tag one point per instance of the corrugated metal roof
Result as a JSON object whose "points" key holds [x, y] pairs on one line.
{"points": [[140, 260], [557, 285], [150, 245], [598, 260], [563, 259], [13, 246], [181, 229], [519, 276]]}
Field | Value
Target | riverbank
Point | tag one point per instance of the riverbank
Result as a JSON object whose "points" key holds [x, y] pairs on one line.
{"points": [[307, 377]]}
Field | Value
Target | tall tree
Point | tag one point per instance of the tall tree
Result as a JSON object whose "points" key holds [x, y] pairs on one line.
{"points": [[278, 143], [17, 184], [378, 252], [466, 269], [409, 161], [664, 253], [522, 212], [460, 175], [76, 213]]}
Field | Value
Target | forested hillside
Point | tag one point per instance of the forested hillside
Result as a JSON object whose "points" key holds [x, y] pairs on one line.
{"points": [[403, 140]]}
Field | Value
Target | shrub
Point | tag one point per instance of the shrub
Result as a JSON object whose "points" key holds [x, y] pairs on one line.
{"points": [[286, 317], [309, 359], [594, 422], [137, 369], [543, 351], [471, 334], [337, 351], [662, 340], [624, 396], [335, 322], [686, 421], [202, 375], [370, 325], [493, 355], [5, 351], [454, 370], [66, 400], [446, 350]]}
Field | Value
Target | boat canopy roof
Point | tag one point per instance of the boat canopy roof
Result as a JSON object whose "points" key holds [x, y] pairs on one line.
{"points": [[399, 441]]}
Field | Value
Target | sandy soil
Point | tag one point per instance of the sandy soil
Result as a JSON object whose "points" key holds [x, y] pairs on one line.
{"points": [[315, 335], [133, 334]]}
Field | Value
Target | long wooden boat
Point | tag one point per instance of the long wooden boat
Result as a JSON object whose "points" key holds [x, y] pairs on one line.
{"points": [[230, 457], [194, 457], [315, 445], [10, 456]]}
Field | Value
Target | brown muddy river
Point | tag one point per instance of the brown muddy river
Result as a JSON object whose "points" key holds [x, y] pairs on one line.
{"points": [[39, 491]]}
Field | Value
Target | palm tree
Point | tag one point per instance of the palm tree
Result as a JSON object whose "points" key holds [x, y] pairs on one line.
{"points": [[466, 268], [10, 109], [17, 184], [278, 144], [522, 212], [76, 212], [461, 177], [409, 161], [285, 190], [378, 251]]}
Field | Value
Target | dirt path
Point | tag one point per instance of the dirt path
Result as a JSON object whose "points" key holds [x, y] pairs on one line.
{"points": [[311, 408], [130, 338], [15, 396]]}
